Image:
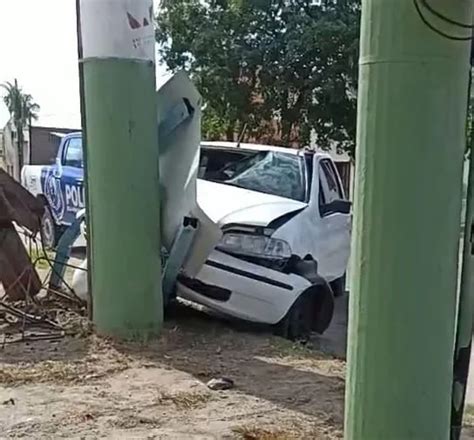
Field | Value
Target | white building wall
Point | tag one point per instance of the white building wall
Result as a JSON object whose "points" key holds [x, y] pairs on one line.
{"points": [[11, 151]]}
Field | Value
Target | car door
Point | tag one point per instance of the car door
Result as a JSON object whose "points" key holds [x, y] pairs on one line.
{"points": [[334, 225], [72, 178]]}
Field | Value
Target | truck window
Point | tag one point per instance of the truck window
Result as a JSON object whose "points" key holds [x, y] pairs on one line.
{"points": [[73, 154]]}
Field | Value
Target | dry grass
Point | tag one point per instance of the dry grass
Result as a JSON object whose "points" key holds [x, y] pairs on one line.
{"points": [[255, 433], [55, 372], [468, 420], [469, 410], [184, 400], [39, 258], [58, 364], [282, 348], [47, 371], [132, 421]]}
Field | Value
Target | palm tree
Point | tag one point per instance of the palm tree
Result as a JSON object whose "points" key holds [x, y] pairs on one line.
{"points": [[22, 111]]}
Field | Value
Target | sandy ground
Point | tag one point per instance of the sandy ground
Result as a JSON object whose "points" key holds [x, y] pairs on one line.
{"points": [[88, 387]]}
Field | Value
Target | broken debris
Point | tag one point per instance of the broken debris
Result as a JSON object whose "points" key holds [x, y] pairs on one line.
{"points": [[17, 273], [220, 384]]}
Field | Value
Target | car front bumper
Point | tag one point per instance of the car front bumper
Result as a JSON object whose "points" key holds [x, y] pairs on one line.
{"points": [[243, 290]]}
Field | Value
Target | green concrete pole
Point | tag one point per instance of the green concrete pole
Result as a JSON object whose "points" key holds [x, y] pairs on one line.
{"points": [[411, 137], [121, 140]]}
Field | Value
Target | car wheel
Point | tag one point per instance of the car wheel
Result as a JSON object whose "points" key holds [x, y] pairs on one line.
{"points": [[48, 229], [297, 324], [338, 286]]}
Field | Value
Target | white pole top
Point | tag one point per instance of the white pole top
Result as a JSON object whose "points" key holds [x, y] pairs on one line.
{"points": [[118, 29]]}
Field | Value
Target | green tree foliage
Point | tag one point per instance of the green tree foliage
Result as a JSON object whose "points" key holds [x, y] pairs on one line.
{"points": [[282, 68], [22, 110]]}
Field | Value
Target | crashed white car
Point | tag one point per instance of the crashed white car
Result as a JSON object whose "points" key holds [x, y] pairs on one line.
{"points": [[255, 232], [286, 236]]}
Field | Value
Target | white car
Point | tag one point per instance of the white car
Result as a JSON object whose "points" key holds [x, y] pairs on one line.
{"points": [[256, 232], [286, 236], [285, 227]]}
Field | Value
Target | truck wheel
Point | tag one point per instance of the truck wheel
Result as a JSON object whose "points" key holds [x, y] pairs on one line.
{"points": [[338, 286], [48, 229], [297, 324]]}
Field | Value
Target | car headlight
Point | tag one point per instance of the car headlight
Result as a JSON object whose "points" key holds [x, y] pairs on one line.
{"points": [[254, 246]]}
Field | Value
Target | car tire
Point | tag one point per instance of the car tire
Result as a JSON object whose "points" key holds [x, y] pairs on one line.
{"points": [[297, 324], [338, 286], [48, 229]]}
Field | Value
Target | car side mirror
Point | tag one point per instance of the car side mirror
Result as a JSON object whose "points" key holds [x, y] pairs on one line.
{"points": [[336, 206], [344, 206]]}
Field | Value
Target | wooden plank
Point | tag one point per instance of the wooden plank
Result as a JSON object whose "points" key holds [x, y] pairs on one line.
{"points": [[17, 273]]}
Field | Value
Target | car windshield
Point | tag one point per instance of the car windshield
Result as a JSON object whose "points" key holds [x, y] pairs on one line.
{"points": [[276, 173]]}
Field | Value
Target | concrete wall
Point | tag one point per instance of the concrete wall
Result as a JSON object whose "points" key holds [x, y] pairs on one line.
{"points": [[40, 147]]}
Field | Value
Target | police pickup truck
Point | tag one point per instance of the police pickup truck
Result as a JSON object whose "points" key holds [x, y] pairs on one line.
{"points": [[60, 185]]}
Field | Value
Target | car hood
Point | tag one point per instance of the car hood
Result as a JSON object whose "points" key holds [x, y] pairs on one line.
{"points": [[226, 204]]}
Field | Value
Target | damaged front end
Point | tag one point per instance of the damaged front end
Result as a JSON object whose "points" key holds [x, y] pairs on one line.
{"points": [[255, 276], [255, 245]]}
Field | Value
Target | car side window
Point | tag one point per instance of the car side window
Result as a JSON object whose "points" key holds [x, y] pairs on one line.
{"points": [[331, 196], [330, 185], [73, 155]]}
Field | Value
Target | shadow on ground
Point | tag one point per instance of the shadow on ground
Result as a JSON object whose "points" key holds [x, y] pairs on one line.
{"points": [[261, 365], [264, 367]]}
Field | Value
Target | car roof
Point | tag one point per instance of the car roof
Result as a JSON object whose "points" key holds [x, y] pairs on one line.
{"points": [[260, 147], [245, 146]]}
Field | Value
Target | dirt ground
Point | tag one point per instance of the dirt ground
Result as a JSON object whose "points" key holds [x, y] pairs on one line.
{"points": [[88, 387], [83, 386]]}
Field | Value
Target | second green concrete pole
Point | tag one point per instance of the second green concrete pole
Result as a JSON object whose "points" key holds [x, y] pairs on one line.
{"points": [[411, 136], [122, 169]]}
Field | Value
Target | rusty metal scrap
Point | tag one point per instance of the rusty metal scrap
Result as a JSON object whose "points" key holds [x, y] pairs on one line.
{"points": [[17, 205], [40, 321]]}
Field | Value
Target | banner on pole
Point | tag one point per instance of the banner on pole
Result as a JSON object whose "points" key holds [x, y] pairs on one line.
{"points": [[118, 29]]}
